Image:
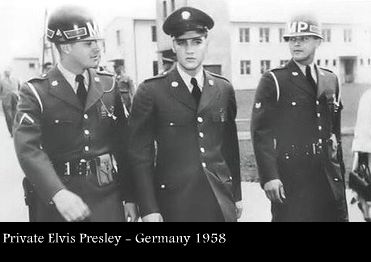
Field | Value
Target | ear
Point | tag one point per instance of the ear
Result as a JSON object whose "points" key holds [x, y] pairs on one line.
{"points": [[66, 49], [319, 42], [173, 46]]}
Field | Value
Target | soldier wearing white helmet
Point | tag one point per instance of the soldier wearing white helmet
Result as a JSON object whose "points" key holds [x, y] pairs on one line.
{"points": [[295, 131]]}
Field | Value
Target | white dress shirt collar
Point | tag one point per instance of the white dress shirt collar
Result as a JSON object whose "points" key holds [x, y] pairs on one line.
{"points": [[313, 69], [187, 78], [70, 77]]}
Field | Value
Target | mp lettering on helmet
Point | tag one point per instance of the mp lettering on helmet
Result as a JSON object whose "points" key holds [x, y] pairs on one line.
{"points": [[93, 29], [299, 27]]}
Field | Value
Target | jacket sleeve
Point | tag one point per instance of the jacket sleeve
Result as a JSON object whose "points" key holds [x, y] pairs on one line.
{"points": [[230, 147], [264, 115], [28, 145], [142, 150]]}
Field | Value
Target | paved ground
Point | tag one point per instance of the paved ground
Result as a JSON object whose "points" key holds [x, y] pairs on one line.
{"points": [[12, 208]]}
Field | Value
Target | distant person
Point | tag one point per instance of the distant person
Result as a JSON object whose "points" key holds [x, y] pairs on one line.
{"points": [[9, 87], [296, 133], [167, 65], [8, 83], [125, 85], [47, 66], [9, 104]]}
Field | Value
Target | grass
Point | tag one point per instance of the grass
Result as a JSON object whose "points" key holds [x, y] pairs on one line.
{"points": [[351, 94]]}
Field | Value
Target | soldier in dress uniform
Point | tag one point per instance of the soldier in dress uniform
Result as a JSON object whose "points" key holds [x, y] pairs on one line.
{"points": [[296, 133], [125, 86], [190, 114], [70, 131]]}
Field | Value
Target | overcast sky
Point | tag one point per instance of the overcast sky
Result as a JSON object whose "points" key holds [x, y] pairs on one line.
{"points": [[21, 21]]}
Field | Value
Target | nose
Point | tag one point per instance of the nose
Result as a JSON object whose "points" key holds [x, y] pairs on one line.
{"points": [[189, 48]]}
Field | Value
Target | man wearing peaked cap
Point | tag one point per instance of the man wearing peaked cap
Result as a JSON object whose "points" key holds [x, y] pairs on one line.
{"points": [[296, 133], [189, 114], [71, 130]]}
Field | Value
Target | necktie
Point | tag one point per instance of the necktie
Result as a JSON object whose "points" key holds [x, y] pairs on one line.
{"points": [[310, 78], [81, 89], [196, 92]]}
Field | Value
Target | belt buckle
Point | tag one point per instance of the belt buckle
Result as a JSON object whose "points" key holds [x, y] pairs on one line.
{"points": [[83, 167], [67, 169]]}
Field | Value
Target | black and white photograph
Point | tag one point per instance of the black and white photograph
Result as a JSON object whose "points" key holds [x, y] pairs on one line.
{"points": [[184, 111]]}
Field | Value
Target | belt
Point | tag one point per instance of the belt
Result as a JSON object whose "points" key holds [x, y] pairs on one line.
{"points": [[306, 150], [81, 167]]}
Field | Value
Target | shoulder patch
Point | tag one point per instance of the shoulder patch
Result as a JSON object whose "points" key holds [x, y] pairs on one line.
{"points": [[155, 77], [218, 76]]}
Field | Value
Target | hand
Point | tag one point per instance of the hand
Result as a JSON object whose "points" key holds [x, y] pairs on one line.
{"points": [[274, 191], [71, 206], [239, 209], [154, 217], [131, 212]]}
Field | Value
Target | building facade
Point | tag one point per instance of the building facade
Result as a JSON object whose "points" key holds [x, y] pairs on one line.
{"points": [[242, 47], [133, 42]]}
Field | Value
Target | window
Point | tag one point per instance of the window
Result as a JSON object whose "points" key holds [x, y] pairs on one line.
{"points": [[347, 35], [369, 61], [264, 35], [334, 62], [172, 5], [154, 33], [326, 62], [281, 33], [283, 62], [164, 8], [319, 62], [326, 33], [155, 68], [361, 61], [265, 65], [31, 65], [245, 67], [244, 35], [118, 37]]}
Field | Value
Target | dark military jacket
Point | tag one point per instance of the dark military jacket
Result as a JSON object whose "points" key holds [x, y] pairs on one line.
{"points": [[52, 128], [196, 148], [289, 121]]}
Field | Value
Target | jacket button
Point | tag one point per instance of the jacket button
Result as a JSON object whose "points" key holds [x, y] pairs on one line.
{"points": [[163, 186], [200, 119], [204, 165], [320, 128], [86, 116], [202, 150], [293, 103], [317, 103], [336, 179], [87, 132], [86, 149], [172, 124], [201, 135], [318, 115]]}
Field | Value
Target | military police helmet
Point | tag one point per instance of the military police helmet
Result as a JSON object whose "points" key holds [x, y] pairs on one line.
{"points": [[303, 25], [71, 23], [187, 19]]}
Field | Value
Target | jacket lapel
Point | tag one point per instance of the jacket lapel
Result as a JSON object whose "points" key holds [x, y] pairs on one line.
{"points": [[95, 90], [210, 92], [299, 79], [60, 88], [179, 90]]}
